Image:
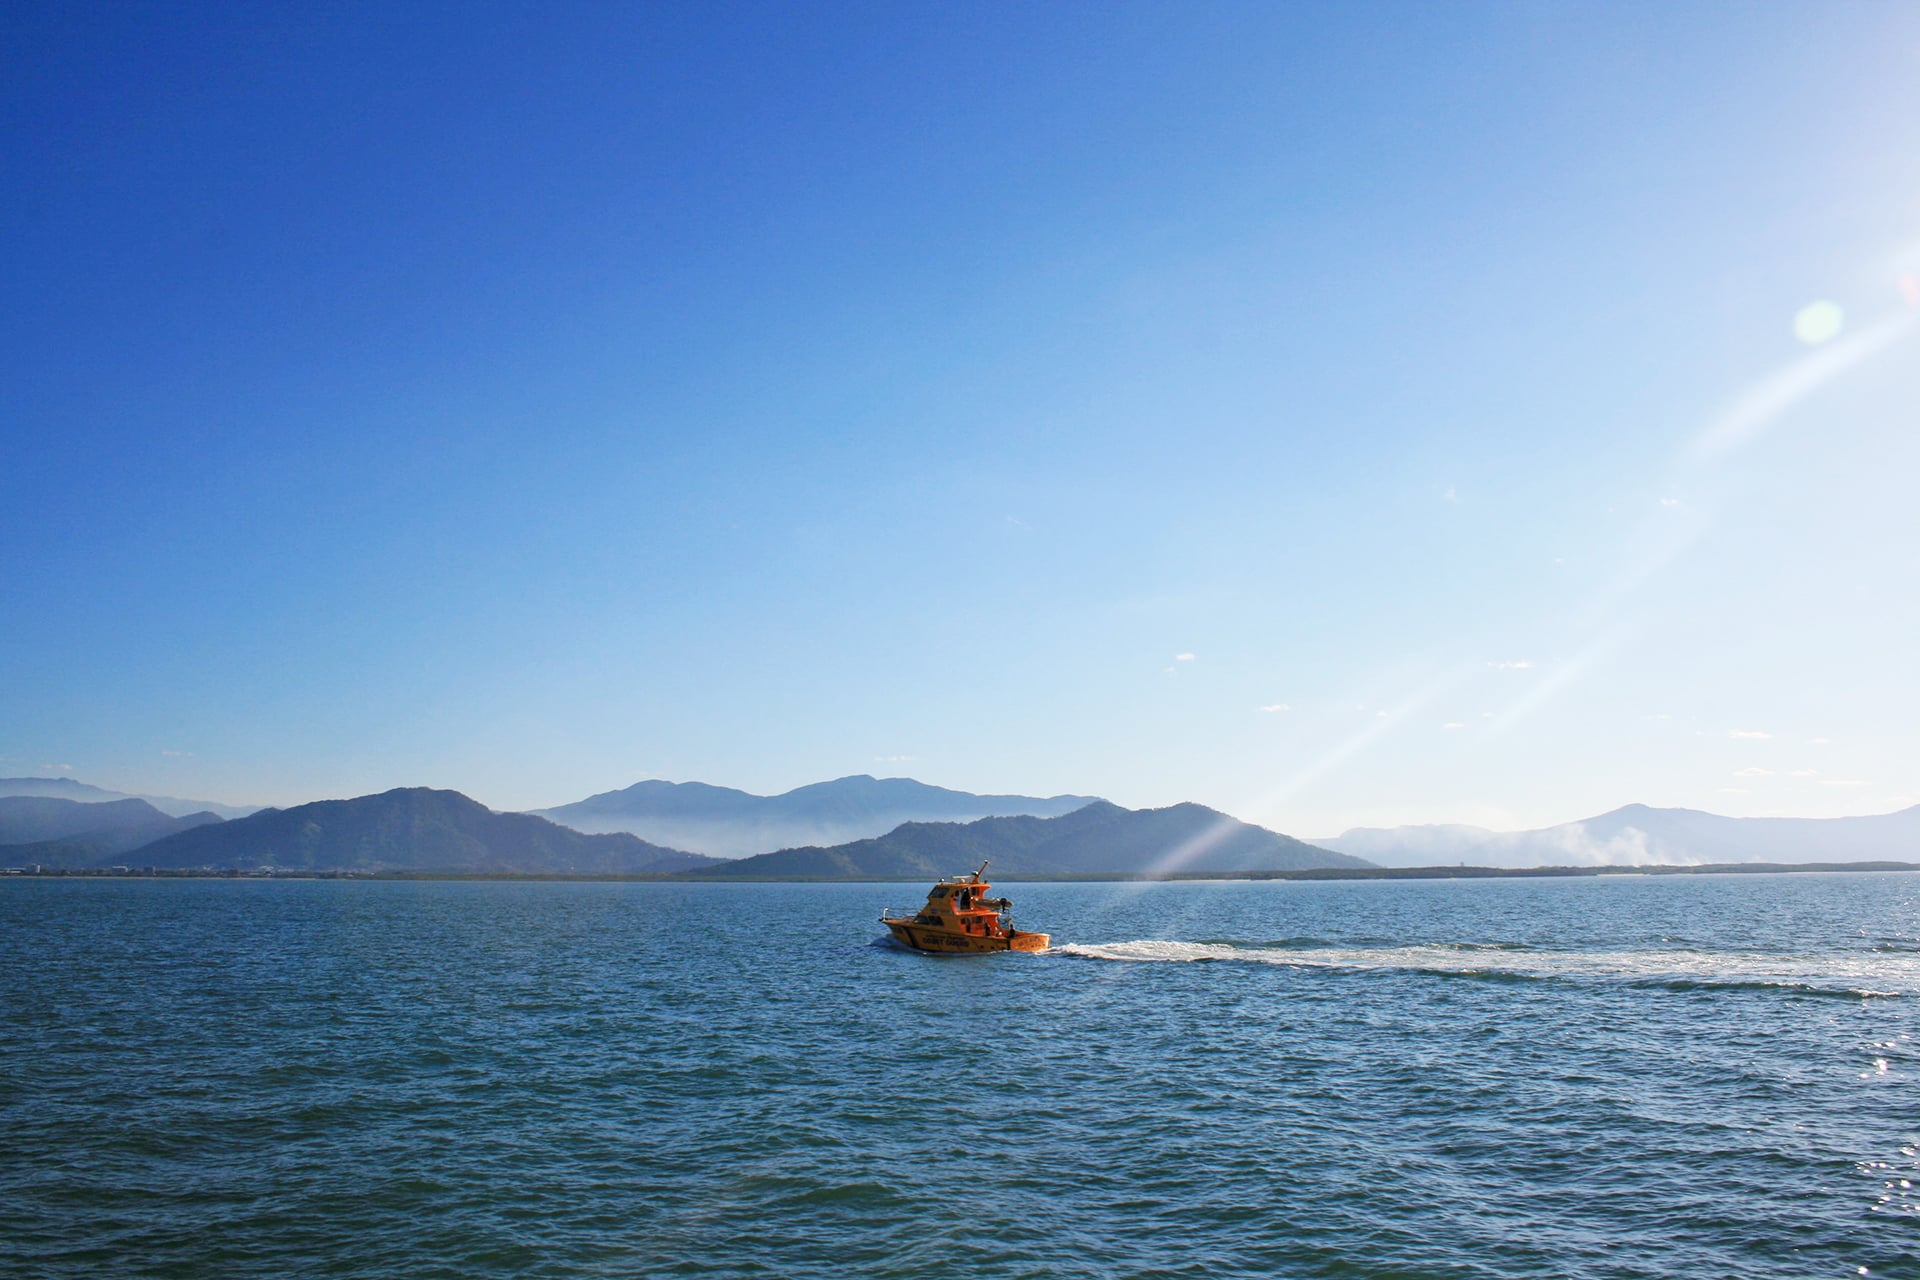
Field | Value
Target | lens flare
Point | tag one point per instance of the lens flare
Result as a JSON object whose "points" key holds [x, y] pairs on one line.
{"points": [[1818, 322]]}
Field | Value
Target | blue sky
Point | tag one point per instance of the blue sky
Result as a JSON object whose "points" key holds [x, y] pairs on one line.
{"points": [[1336, 414]]}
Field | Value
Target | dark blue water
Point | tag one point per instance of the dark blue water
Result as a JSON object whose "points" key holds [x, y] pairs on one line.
{"points": [[1648, 1077]]}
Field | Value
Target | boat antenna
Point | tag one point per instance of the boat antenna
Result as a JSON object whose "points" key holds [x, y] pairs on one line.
{"points": [[982, 871]]}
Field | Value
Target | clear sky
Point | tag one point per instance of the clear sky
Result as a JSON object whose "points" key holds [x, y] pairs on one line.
{"points": [[1334, 413]]}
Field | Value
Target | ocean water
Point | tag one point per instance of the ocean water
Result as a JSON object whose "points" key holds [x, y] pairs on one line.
{"points": [[1711, 1076]]}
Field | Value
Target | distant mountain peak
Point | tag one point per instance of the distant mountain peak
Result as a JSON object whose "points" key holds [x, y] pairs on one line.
{"points": [[724, 822]]}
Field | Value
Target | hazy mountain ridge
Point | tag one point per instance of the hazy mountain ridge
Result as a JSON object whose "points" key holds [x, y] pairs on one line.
{"points": [[57, 831], [1638, 835], [724, 822], [1096, 839], [411, 829], [87, 793]]}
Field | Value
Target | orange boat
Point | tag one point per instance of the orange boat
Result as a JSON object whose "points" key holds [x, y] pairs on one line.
{"points": [[960, 919]]}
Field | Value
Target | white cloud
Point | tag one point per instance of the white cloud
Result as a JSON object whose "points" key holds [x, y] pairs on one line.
{"points": [[1272, 707], [1453, 724], [893, 759], [1842, 782], [1449, 495], [1755, 772], [1511, 664], [1821, 742], [1183, 657], [1381, 715], [1755, 735], [1806, 773], [58, 768], [1669, 502]]}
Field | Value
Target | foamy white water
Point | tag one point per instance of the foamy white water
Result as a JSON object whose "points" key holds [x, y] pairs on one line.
{"points": [[1881, 975]]}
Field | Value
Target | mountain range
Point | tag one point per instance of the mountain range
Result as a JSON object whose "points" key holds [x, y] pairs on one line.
{"points": [[725, 823], [60, 822], [416, 829], [1638, 835]]}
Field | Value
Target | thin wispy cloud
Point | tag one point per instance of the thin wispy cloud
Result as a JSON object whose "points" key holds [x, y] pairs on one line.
{"points": [[1755, 772], [1751, 735], [1806, 773], [1184, 657], [1453, 724], [1274, 707], [1511, 664]]}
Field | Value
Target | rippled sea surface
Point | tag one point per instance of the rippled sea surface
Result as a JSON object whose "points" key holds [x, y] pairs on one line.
{"points": [[1710, 1076]]}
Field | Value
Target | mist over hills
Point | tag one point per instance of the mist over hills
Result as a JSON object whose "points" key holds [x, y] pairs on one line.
{"points": [[1640, 835], [1095, 839], [411, 829], [723, 822]]}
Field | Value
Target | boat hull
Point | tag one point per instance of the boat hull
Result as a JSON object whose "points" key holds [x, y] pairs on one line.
{"points": [[937, 941]]}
